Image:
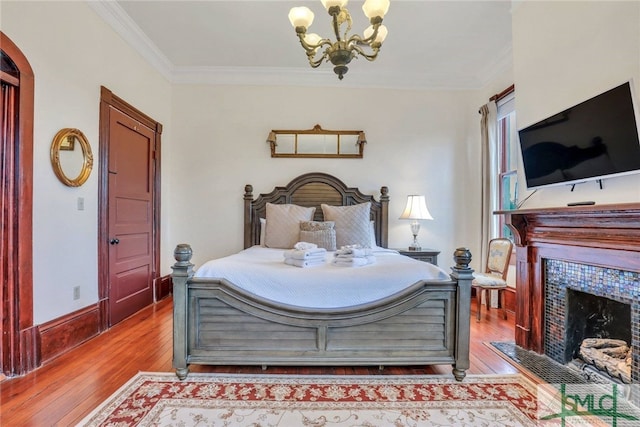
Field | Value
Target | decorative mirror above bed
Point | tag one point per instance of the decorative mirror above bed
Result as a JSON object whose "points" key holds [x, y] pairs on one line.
{"points": [[317, 142], [71, 157]]}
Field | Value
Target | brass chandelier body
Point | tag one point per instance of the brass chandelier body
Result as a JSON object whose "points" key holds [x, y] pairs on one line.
{"points": [[346, 47]]}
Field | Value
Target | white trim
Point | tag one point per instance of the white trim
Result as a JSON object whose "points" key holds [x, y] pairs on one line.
{"points": [[122, 24], [114, 15]]}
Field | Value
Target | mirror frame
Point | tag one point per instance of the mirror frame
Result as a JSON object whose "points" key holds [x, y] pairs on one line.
{"points": [[62, 142], [317, 130]]}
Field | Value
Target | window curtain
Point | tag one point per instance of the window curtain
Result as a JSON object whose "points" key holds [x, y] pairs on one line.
{"points": [[7, 141], [488, 136]]}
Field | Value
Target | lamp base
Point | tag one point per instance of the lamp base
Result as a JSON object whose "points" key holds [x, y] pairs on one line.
{"points": [[415, 246]]}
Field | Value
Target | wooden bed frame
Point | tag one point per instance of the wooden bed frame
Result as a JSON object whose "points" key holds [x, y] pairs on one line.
{"points": [[217, 323]]}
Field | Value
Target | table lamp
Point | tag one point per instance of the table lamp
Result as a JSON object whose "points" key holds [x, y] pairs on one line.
{"points": [[415, 210]]}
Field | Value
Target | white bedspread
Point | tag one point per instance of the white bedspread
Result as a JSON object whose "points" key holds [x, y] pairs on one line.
{"points": [[262, 271]]}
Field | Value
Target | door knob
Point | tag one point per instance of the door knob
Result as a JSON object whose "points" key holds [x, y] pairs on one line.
{"points": [[114, 241]]}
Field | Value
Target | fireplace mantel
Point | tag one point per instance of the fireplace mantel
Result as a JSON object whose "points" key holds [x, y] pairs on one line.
{"points": [[600, 235]]}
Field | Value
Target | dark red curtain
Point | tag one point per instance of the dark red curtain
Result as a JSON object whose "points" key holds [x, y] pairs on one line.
{"points": [[7, 198]]}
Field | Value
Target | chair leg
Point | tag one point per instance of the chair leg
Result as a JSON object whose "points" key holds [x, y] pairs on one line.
{"points": [[479, 292], [502, 305]]}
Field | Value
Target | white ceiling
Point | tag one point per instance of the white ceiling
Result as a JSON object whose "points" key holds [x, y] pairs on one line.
{"points": [[431, 44]]}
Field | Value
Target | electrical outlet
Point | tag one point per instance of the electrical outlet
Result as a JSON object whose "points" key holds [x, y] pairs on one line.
{"points": [[80, 203], [76, 292]]}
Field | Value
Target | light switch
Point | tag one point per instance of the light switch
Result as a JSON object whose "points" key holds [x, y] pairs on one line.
{"points": [[80, 203]]}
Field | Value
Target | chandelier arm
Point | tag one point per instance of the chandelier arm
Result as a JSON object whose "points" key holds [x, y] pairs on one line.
{"points": [[312, 48], [315, 63], [368, 41], [348, 20], [361, 52], [335, 12]]}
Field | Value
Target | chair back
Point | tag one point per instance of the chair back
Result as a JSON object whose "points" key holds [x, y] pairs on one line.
{"points": [[499, 256]]}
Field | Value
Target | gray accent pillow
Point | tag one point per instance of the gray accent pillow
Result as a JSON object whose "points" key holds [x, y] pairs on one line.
{"points": [[320, 233]]}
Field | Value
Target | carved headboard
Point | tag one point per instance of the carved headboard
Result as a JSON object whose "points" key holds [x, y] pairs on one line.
{"points": [[311, 190]]}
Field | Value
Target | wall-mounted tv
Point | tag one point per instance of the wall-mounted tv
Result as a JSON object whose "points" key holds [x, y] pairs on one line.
{"points": [[595, 139]]}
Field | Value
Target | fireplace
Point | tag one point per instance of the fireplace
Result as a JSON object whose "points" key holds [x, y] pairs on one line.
{"points": [[587, 249], [584, 302]]}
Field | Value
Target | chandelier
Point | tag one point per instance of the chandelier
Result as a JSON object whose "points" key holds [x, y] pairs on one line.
{"points": [[346, 47]]}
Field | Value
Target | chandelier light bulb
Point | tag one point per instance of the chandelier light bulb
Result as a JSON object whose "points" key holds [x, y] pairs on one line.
{"points": [[312, 39], [301, 17], [374, 8], [382, 33], [330, 3]]}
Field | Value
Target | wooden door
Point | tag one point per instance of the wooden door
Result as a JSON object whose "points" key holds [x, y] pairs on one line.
{"points": [[131, 192]]}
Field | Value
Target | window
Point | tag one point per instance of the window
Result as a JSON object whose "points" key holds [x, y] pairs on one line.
{"points": [[506, 194]]}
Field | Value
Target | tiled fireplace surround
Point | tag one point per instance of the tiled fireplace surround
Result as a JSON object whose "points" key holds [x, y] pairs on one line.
{"points": [[594, 249]]}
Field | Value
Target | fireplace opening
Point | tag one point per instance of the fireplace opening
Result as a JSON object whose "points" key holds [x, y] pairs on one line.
{"points": [[598, 333]]}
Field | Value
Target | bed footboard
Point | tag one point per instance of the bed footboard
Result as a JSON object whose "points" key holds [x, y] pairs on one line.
{"points": [[216, 324]]}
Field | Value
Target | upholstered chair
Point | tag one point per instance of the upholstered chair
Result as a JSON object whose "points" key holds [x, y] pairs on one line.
{"points": [[495, 276]]}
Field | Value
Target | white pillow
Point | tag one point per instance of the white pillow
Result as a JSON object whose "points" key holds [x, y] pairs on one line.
{"points": [[352, 223], [283, 224]]}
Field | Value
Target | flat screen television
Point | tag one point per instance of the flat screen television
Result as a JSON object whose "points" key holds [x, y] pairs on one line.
{"points": [[595, 139]]}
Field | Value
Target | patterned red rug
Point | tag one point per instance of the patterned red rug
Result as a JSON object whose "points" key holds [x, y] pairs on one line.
{"points": [[160, 399]]}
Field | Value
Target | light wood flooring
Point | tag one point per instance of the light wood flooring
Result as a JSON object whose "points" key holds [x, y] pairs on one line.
{"points": [[66, 389]]}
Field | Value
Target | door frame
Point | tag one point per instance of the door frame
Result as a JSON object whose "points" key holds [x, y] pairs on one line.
{"points": [[108, 100], [20, 350]]}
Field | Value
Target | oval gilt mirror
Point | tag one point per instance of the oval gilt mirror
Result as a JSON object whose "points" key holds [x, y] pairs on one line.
{"points": [[71, 157]]}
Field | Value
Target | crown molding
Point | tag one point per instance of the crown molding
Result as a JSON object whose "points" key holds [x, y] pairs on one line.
{"points": [[279, 76], [502, 64], [122, 24]]}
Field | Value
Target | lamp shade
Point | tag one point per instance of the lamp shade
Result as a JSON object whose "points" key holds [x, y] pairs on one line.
{"points": [[416, 208], [301, 17], [382, 33], [312, 39], [330, 3], [374, 8]]}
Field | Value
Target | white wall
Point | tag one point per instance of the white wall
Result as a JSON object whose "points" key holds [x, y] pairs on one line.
{"points": [[72, 53], [565, 53], [418, 142], [213, 140]]}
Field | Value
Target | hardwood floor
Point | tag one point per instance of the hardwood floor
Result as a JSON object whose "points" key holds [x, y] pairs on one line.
{"points": [[63, 391]]}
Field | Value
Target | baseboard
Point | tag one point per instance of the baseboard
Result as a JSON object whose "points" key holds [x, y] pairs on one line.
{"points": [[510, 300], [64, 333], [163, 287]]}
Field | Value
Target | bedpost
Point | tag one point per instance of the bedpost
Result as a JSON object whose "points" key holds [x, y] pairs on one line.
{"points": [[384, 220], [182, 272], [249, 239], [463, 275]]}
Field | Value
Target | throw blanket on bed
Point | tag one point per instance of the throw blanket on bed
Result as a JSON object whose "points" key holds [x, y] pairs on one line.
{"points": [[261, 271]]}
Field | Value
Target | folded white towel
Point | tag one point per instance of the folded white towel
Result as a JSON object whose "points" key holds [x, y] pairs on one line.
{"points": [[354, 251], [304, 263], [354, 261], [306, 254], [301, 246]]}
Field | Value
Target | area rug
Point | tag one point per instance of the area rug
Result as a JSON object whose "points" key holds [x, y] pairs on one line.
{"points": [[160, 399]]}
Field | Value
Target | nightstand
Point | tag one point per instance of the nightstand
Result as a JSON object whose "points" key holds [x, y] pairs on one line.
{"points": [[426, 255]]}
